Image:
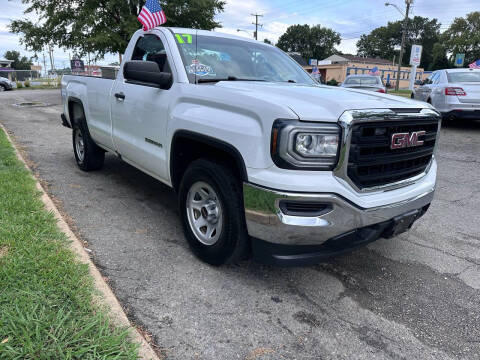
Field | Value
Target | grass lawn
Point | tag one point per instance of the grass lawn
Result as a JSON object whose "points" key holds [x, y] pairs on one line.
{"points": [[38, 87], [46, 296], [404, 93]]}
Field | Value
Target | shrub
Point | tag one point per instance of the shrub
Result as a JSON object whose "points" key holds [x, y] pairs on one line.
{"points": [[19, 85], [332, 82], [26, 83]]}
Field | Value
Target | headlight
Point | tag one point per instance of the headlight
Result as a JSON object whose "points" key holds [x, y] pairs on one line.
{"points": [[303, 145]]}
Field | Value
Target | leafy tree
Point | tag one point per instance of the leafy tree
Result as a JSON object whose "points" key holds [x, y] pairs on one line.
{"points": [[102, 26], [383, 41], [19, 62], [463, 37], [314, 42], [439, 58]]}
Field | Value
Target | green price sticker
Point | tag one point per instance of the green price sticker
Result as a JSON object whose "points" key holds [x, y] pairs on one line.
{"points": [[181, 38]]}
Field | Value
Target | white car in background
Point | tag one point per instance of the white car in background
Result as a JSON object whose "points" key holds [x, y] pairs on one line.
{"points": [[453, 92], [365, 82]]}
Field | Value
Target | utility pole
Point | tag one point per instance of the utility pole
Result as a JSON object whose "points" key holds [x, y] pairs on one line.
{"points": [[50, 52], [256, 25], [402, 46], [44, 65]]}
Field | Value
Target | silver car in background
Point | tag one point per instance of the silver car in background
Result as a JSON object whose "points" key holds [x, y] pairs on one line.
{"points": [[5, 84], [453, 92], [365, 82]]}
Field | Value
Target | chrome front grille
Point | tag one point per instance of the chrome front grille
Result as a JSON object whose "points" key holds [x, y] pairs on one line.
{"points": [[368, 162]]}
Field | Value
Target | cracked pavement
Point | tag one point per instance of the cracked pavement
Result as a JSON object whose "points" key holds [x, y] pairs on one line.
{"points": [[416, 296]]}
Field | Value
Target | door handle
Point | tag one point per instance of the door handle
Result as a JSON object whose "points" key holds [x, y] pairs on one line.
{"points": [[120, 96]]}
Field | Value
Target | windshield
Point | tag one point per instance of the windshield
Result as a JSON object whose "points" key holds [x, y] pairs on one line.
{"points": [[211, 58], [463, 76], [362, 80]]}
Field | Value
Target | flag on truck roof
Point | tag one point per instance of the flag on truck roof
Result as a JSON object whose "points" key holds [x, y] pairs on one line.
{"points": [[475, 65], [151, 15]]}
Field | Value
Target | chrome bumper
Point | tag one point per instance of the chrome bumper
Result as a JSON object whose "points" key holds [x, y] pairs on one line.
{"points": [[266, 221]]}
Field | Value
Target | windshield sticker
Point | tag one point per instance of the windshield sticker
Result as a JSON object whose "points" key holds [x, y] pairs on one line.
{"points": [[182, 38], [199, 69], [225, 57]]}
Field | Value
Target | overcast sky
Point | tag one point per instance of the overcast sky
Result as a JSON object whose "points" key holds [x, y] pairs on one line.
{"points": [[351, 18]]}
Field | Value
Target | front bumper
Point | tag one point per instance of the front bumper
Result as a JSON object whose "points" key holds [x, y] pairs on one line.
{"points": [[269, 221]]}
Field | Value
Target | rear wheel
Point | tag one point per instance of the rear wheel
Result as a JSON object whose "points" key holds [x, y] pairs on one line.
{"points": [[88, 155], [211, 208], [2, 87]]}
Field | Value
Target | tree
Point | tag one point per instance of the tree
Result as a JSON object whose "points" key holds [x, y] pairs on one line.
{"points": [[266, 41], [383, 41], [102, 26], [314, 42], [19, 63], [439, 58], [463, 37]]}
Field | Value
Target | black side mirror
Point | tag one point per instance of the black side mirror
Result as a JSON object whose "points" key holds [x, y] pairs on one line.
{"points": [[146, 73], [419, 82]]}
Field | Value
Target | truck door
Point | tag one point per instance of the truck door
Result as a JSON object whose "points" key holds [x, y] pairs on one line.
{"points": [[139, 112]]}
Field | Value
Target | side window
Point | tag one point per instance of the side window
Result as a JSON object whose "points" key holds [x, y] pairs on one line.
{"points": [[150, 48], [434, 77], [429, 79], [437, 78]]}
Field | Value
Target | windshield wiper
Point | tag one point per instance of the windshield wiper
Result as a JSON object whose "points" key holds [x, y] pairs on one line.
{"points": [[229, 78]]}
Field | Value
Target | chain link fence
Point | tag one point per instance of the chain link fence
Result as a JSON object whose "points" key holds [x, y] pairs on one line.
{"points": [[31, 78]]}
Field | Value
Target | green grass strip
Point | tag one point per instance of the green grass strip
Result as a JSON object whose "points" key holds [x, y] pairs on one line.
{"points": [[46, 295]]}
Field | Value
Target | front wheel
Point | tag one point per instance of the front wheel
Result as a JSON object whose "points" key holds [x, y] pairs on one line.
{"points": [[211, 208]]}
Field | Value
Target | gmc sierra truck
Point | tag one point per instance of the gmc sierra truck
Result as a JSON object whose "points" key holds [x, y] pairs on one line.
{"points": [[266, 162]]}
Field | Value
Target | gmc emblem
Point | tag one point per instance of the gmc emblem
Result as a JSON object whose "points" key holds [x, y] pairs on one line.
{"points": [[404, 140]]}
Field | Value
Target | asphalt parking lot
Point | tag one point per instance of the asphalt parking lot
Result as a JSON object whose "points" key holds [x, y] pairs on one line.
{"points": [[416, 296]]}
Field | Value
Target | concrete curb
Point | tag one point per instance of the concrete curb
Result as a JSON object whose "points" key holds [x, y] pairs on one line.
{"points": [[107, 297]]}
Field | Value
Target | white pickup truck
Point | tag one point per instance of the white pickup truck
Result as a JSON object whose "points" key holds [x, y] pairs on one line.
{"points": [[266, 162]]}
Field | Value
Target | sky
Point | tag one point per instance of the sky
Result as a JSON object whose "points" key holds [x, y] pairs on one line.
{"points": [[351, 18]]}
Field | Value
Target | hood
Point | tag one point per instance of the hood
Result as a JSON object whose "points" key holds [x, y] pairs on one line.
{"points": [[318, 102]]}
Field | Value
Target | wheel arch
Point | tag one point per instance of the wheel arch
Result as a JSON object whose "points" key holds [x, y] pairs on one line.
{"points": [[74, 102], [187, 146]]}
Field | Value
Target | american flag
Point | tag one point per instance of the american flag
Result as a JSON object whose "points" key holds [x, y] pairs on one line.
{"points": [[151, 15], [374, 71], [475, 65]]}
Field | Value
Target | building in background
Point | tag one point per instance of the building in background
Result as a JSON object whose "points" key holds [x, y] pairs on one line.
{"points": [[36, 68], [5, 68], [337, 67]]}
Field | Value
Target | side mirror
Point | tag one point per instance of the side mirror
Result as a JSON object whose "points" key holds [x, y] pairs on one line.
{"points": [[419, 82], [146, 73]]}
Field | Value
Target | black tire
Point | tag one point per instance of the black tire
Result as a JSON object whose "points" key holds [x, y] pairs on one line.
{"points": [[233, 242], [93, 156], [3, 87]]}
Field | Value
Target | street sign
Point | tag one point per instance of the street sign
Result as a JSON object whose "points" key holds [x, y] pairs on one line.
{"points": [[316, 73], [459, 60], [324, 62], [416, 55], [77, 65]]}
